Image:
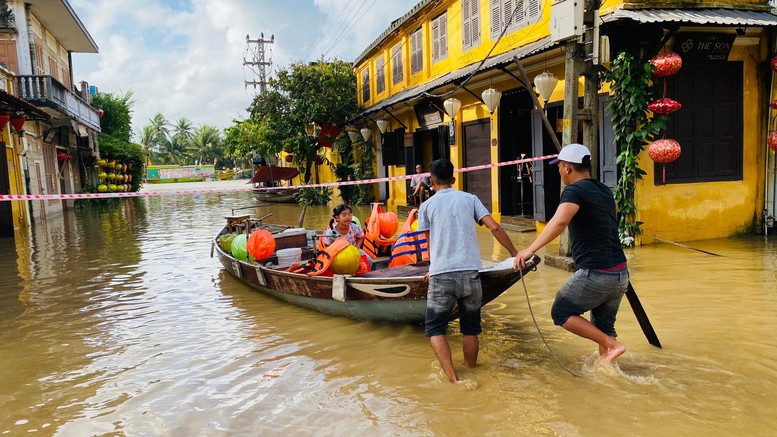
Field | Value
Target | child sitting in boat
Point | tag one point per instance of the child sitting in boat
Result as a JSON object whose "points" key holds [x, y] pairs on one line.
{"points": [[342, 225]]}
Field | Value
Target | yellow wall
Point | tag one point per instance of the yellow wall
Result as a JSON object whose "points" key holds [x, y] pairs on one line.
{"points": [[698, 211]]}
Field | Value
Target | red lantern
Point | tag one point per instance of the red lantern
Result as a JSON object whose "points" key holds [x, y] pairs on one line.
{"points": [[666, 64], [17, 121], [773, 64], [100, 112], [663, 151], [4, 119], [289, 158], [664, 106], [773, 104], [61, 156], [772, 141], [261, 244]]}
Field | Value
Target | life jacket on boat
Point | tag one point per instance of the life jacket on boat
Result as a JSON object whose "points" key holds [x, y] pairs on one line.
{"points": [[320, 266], [374, 244], [411, 246]]}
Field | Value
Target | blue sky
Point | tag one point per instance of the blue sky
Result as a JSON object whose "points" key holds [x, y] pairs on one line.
{"points": [[184, 58]]}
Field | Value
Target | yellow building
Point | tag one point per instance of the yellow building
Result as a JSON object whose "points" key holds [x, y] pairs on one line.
{"points": [[446, 49]]}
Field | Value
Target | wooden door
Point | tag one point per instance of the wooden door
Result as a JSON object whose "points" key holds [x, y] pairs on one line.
{"points": [[8, 55], [477, 151]]}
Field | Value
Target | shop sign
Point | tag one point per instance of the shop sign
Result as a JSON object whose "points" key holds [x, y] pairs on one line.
{"points": [[704, 46]]}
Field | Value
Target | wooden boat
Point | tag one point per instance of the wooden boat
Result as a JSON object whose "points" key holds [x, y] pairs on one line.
{"points": [[396, 294], [265, 180]]}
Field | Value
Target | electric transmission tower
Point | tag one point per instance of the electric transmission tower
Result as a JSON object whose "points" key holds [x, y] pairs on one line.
{"points": [[258, 58]]}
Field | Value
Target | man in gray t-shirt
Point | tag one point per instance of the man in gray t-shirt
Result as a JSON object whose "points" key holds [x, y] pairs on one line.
{"points": [[448, 220]]}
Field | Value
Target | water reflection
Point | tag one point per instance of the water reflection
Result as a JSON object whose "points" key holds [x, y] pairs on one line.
{"points": [[116, 321]]}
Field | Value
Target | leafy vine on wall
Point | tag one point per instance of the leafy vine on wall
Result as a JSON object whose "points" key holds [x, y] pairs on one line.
{"points": [[634, 128]]}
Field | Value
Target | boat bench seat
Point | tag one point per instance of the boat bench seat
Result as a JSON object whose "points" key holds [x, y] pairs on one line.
{"points": [[417, 269]]}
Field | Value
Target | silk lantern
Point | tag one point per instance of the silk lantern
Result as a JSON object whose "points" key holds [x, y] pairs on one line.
{"points": [[664, 106], [17, 121], [772, 141], [663, 151], [666, 64]]}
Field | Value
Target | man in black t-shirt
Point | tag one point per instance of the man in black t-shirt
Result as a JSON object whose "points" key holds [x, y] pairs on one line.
{"points": [[587, 206]]}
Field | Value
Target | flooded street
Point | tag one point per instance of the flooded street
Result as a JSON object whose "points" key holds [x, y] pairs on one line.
{"points": [[115, 321]]}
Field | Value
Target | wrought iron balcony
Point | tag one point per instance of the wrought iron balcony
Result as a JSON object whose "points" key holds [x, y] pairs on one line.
{"points": [[49, 92]]}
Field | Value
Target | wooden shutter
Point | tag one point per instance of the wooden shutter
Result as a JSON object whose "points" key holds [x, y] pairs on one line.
{"points": [[389, 148], [608, 151], [399, 137], [538, 169], [416, 59], [380, 75], [466, 33], [8, 55], [436, 40], [396, 63], [366, 85], [443, 23], [474, 19], [496, 18]]}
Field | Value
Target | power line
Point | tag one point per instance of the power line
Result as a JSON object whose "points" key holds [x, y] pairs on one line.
{"points": [[331, 26], [259, 60]]}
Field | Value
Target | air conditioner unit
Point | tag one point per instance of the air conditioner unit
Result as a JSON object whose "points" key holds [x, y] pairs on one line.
{"points": [[566, 20]]}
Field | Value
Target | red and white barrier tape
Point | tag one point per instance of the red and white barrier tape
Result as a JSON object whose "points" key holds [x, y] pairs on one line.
{"points": [[9, 197]]}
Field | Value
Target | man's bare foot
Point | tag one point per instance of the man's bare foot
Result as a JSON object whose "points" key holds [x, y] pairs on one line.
{"points": [[613, 353]]}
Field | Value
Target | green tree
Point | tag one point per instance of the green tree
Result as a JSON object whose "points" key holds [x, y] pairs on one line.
{"points": [[172, 151], [321, 93], [160, 128], [116, 130], [148, 142], [206, 144]]}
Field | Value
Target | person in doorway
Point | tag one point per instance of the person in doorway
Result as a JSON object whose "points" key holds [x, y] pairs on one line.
{"points": [[420, 186], [448, 221], [587, 206]]}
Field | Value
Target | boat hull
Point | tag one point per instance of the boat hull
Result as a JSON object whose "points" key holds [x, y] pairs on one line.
{"points": [[275, 196], [395, 295]]}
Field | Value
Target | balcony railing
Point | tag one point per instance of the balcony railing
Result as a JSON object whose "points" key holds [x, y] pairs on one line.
{"points": [[47, 91]]}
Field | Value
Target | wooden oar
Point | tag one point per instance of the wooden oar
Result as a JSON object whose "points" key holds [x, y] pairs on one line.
{"points": [[642, 317]]}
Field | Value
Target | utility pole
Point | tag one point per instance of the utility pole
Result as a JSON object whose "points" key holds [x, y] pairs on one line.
{"points": [[581, 59], [258, 54]]}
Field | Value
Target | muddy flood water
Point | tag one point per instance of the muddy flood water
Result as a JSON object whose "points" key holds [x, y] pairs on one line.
{"points": [[116, 321]]}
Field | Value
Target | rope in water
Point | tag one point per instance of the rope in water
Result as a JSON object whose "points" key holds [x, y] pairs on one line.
{"points": [[536, 325]]}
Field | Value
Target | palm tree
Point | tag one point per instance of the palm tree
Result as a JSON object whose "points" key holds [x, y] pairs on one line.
{"points": [[159, 126], [172, 151], [183, 130], [148, 142], [206, 144]]}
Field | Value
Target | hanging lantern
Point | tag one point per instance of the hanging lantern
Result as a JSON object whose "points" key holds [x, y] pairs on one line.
{"points": [[491, 97], [773, 63], [61, 156], [452, 106], [366, 133], [666, 64], [383, 124], [17, 121], [4, 119], [664, 106], [289, 158], [545, 83], [772, 141], [100, 112], [773, 104], [353, 135], [664, 151]]}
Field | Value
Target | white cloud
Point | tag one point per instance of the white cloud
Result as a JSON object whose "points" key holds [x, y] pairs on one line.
{"points": [[184, 58]]}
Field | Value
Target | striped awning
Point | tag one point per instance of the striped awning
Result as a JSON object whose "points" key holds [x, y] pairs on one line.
{"points": [[723, 17]]}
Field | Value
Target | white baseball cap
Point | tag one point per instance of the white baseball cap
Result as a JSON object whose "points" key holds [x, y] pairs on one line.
{"points": [[572, 153]]}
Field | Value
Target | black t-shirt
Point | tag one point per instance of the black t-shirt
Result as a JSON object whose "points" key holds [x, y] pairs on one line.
{"points": [[594, 229]]}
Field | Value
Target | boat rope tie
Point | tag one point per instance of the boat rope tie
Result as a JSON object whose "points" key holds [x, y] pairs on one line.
{"points": [[528, 302], [76, 196]]}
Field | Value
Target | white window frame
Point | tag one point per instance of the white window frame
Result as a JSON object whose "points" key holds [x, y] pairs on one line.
{"points": [[470, 24], [529, 13], [397, 70], [417, 51], [440, 38]]}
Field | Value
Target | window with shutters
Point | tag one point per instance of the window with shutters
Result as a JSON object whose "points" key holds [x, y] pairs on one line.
{"points": [[513, 14], [470, 24], [416, 52], [366, 85], [40, 69], [380, 74], [440, 38], [397, 64]]}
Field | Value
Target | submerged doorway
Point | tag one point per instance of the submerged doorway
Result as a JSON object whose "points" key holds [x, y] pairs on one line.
{"points": [[516, 196]]}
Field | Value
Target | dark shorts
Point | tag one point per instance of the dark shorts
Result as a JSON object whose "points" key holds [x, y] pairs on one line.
{"points": [[449, 289], [595, 291]]}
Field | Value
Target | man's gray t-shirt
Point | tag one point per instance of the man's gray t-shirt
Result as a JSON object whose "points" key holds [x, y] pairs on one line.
{"points": [[450, 216]]}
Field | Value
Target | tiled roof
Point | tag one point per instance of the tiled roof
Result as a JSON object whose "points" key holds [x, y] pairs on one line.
{"points": [[730, 17]]}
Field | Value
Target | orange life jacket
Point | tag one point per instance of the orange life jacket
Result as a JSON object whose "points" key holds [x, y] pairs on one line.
{"points": [[411, 246], [375, 245], [320, 265]]}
